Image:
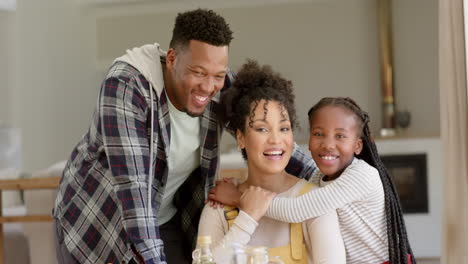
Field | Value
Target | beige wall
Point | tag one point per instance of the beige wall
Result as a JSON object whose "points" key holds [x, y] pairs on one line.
{"points": [[56, 80], [328, 48], [416, 63], [6, 48]]}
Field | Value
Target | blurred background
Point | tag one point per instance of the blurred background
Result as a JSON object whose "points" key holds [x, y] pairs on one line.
{"points": [[54, 54]]}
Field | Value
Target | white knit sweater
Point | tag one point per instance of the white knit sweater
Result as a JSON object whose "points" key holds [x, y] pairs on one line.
{"points": [[321, 234], [358, 197]]}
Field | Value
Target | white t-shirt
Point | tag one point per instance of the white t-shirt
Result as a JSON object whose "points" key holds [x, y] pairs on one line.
{"points": [[184, 157]]}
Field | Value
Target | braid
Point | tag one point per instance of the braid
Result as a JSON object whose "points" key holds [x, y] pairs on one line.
{"points": [[398, 244]]}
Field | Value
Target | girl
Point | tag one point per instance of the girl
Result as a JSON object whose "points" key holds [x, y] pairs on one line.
{"points": [[262, 113], [354, 182]]}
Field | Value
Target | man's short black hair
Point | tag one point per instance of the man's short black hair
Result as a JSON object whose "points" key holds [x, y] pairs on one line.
{"points": [[203, 25]]}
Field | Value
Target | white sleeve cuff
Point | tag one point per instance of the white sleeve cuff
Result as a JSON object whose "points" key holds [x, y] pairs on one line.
{"points": [[246, 222]]}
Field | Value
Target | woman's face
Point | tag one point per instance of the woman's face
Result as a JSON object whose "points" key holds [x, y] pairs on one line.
{"points": [[268, 137]]}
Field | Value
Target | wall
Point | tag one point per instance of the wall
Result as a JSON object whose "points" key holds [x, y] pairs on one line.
{"points": [[6, 62], [327, 48], [415, 30], [56, 81]]}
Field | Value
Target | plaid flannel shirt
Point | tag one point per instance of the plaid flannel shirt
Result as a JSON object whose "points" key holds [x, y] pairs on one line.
{"points": [[101, 203]]}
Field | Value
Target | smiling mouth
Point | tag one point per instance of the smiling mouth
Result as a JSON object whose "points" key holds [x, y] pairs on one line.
{"points": [[273, 153], [328, 157], [201, 98]]}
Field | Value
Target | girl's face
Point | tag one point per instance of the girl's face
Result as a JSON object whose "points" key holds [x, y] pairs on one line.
{"points": [[334, 139], [268, 139]]}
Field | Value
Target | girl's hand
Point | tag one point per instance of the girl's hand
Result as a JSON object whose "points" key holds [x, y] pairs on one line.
{"points": [[224, 192], [255, 201]]}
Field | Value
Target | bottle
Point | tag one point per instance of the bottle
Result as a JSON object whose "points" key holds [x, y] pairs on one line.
{"points": [[259, 255], [202, 254], [238, 254]]}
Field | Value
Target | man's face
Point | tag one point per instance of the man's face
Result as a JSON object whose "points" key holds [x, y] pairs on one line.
{"points": [[194, 75]]}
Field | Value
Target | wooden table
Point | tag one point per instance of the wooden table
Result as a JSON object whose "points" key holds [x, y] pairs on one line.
{"points": [[18, 185]]}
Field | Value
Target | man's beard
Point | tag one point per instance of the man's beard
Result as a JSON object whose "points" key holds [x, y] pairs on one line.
{"points": [[192, 114]]}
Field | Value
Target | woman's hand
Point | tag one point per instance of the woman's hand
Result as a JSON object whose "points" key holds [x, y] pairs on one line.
{"points": [[255, 201], [224, 192]]}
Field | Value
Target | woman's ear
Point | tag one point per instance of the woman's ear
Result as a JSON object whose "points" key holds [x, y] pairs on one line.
{"points": [[358, 147], [240, 139]]}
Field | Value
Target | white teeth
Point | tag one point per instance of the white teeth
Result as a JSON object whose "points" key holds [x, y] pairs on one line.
{"points": [[276, 152], [201, 98], [328, 157]]}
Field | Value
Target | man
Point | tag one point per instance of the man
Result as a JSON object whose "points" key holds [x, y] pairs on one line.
{"points": [[134, 186]]}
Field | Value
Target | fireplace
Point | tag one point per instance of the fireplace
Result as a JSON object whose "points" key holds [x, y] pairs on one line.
{"points": [[409, 174], [424, 228]]}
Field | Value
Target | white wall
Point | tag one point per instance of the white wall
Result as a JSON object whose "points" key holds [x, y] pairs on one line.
{"points": [[56, 79]]}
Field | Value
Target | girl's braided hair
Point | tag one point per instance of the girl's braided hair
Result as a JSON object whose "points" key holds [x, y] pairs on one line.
{"points": [[398, 244]]}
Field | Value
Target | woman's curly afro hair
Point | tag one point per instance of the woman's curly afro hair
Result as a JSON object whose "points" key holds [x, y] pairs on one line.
{"points": [[252, 84]]}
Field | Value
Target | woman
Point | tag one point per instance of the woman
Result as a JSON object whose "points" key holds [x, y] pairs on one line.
{"points": [[260, 109]]}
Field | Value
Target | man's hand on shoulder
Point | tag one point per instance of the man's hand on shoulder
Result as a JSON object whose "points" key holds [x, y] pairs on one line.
{"points": [[224, 192]]}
